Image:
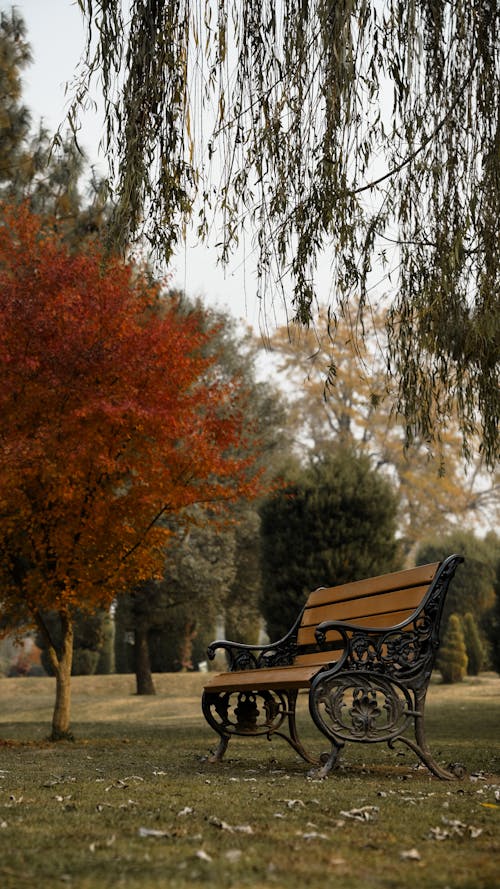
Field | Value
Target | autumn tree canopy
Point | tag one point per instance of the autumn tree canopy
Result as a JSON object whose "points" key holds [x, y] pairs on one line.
{"points": [[364, 130], [210, 571], [113, 416]]}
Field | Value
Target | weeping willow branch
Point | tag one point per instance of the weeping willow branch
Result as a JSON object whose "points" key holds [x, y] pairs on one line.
{"points": [[328, 127]]}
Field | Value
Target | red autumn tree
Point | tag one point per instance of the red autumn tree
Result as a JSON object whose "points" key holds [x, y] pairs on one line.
{"points": [[113, 415]]}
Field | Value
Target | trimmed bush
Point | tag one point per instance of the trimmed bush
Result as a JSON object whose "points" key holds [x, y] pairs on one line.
{"points": [[452, 658]]}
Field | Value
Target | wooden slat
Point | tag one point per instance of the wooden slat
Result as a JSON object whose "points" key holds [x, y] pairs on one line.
{"points": [[318, 657], [352, 610], [398, 580], [260, 680], [306, 635]]}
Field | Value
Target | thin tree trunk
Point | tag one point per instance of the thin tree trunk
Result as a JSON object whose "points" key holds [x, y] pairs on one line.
{"points": [[61, 664], [186, 646], [143, 675], [62, 708]]}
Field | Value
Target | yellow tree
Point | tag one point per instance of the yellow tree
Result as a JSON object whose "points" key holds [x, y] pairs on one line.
{"points": [[353, 408]]}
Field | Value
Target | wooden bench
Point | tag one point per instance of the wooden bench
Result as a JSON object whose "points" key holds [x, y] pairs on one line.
{"points": [[364, 651]]}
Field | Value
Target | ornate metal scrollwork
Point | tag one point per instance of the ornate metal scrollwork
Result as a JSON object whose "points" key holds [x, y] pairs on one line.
{"points": [[255, 713], [255, 657], [245, 712], [355, 707]]}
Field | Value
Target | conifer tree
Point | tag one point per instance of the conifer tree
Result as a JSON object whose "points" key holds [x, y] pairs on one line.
{"points": [[35, 166], [473, 585], [494, 624], [452, 657], [334, 522], [15, 119], [214, 572], [474, 645]]}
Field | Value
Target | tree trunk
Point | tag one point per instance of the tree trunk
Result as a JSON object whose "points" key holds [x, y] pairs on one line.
{"points": [[186, 646], [62, 666], [143, 675]]}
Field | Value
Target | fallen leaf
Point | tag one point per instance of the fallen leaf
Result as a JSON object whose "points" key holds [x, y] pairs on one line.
{"points": [[365, 813], [437, 833], [151, 832], [410, 855], [312, 835], [455, 828], [223, 825], [337, 862]]}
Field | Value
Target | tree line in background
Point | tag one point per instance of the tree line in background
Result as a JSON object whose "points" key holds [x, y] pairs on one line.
{"points": [[315, 489]]}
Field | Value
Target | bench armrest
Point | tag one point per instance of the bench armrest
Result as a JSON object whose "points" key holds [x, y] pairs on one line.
{"points": [[404, 650], [253, 657], [349, 630]]}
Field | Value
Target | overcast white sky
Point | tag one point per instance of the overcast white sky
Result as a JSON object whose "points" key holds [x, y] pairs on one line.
{"points": [[56, 34]]}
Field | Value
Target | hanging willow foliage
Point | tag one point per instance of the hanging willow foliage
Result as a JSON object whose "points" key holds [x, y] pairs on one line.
{"points": [[355, 127]]}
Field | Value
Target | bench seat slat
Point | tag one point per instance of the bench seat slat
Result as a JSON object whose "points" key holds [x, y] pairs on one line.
{"points": [[320, 658], [265, 678], [398, 580]]}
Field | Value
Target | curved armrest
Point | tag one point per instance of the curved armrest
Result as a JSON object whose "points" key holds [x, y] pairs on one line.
{"points": [[328, 625], [241, 656]]}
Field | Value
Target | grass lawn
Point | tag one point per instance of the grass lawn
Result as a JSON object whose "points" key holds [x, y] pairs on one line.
{"points": [[132, 803]]}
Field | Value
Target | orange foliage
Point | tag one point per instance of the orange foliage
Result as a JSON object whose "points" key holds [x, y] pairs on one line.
{"points": [[112, 417]]}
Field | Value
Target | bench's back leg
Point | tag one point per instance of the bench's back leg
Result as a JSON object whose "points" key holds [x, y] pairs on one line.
{"points": [[255, 713]]}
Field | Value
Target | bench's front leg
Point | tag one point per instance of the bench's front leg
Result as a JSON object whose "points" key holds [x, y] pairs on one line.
{"points": [[367, 707], [218, 754], [328, 762], [421, 748]]}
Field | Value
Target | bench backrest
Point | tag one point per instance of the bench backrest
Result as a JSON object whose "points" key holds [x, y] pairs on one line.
{"points": [[383, 601]]}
